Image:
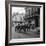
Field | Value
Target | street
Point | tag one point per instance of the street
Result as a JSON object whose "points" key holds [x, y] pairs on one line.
{"points": [[30, 34]]}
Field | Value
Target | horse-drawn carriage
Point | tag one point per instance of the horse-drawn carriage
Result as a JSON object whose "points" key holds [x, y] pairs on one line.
{"points": [[25, 26]]}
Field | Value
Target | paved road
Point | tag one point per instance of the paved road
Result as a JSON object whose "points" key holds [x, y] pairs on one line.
{"points": [[28, 34]]}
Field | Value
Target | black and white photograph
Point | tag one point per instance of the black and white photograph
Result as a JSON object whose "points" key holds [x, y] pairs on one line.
{"points": [[25, 22]]}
